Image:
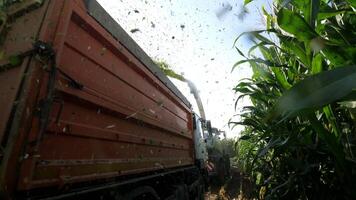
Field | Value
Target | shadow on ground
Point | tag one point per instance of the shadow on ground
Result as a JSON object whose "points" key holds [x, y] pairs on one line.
{"points": [[238, 187]]}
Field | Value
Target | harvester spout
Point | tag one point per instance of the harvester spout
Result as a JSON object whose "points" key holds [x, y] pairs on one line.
{"points": [[195, 92], [193, 89]]}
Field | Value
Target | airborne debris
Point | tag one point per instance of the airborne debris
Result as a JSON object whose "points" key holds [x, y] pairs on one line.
{"points": [[111, 126], [223, 11], [103, 50], [134, 30], [132, 115], [242, 14]]}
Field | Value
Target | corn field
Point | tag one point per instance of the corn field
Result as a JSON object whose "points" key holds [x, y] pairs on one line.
{"points": [[300, 132]]}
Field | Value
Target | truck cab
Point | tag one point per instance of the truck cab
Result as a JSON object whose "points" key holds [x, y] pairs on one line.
{"points": [[200, 142]]}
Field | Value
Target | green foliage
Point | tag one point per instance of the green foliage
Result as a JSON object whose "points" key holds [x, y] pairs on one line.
{"points": [[245, 148], [293, 23], [247, 1], [168, 71], [300, 131], [314, 91], [15, 60], [226, 146]]}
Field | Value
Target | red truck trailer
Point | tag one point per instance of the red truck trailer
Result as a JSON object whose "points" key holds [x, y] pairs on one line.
{"points": [[85, 113]]}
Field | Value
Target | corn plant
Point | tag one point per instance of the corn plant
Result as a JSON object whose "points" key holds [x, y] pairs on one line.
{"points": [[300, 134]]}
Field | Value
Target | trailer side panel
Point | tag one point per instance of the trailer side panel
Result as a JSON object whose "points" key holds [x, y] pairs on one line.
{"points": [[109, 115]]}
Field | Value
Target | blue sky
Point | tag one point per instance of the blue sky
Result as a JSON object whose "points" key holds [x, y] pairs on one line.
{"points": [[196, 40]]}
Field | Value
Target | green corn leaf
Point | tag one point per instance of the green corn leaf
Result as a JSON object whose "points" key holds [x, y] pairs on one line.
{"points": [[311, 9], [247, 2], [262, 38], [315, 91], [244, 84], [264, 11], [269, 18], [335, 55], [328, 14], [258, 60], [293, 23], [314, 10], [266, 53], [256, 46], [284, 3], [253, 33], [350, 52], [326, 11], [273, 142], [245, 137], [242, 90], [295, 47], [240, 52], [348, 104], [334, 147], [317, 64], [281, 78], [332, 120], [352, 3], [260, 72]]}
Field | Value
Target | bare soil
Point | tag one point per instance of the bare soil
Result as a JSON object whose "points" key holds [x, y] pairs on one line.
{"points": [[238, 187]]}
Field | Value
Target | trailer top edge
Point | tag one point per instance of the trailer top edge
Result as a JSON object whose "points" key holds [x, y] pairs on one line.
{"points": [[98, 13]]}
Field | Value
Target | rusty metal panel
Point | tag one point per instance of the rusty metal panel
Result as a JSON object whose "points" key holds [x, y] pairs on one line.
{"points": [[19, 39], [98, 12], [19, 86], [121, 120]]}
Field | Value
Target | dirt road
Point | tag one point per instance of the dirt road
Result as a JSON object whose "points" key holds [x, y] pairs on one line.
{"points": [[238, 187]]}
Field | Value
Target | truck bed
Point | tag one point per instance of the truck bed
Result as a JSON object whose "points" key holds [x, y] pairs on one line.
{"points": [[110, 111]]}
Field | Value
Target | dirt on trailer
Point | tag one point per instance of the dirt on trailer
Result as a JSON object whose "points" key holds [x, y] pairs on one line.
{"points": [[238, 187]]}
